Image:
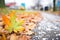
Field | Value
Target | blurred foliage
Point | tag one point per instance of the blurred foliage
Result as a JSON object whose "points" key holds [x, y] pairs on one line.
{"points": [[6, 11], [54, 5], [3, 11], [2, 3]]}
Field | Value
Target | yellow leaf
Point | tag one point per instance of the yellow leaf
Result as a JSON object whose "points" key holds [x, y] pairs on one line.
{"points": [[21, 22], [15, 31], [21, 29], [12, 13]]}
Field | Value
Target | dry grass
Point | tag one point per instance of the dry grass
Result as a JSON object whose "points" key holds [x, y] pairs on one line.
{"points": [[55, 13]]}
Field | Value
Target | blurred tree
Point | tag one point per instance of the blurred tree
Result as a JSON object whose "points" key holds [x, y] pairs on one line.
{"points": [[54, 5], [2, 3]]}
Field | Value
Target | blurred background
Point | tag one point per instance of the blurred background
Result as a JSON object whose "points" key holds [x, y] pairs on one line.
{"points": [[32, 4]]}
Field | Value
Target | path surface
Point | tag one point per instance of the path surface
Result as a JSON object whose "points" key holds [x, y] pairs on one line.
{"points": [[48, 28]]}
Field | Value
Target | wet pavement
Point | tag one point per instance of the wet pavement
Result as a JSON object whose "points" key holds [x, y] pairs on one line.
{"points": [[48, 28]]}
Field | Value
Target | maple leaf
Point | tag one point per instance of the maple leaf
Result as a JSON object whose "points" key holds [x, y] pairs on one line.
{"points": [[6, 20]]}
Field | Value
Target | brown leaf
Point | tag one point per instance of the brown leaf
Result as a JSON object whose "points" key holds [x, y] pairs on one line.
{"points": [[3, 37], [29, 33], [23, 37], [13, 37]]}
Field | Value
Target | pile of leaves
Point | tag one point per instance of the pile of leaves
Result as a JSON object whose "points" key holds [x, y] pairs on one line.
{"points": [[21, 24]]}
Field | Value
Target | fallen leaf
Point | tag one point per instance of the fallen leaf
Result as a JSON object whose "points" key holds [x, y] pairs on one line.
{"points": [[3, 37], [23, 37], [13, 37]]}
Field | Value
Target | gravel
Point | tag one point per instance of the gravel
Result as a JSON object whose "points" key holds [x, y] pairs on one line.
{"points": [[48, 28]]}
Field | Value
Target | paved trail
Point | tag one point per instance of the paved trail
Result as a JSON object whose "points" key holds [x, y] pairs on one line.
{"points": [[49, 27]]}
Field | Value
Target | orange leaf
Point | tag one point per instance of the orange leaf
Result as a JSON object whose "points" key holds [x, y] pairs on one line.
{"points": [[5, 20]]}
